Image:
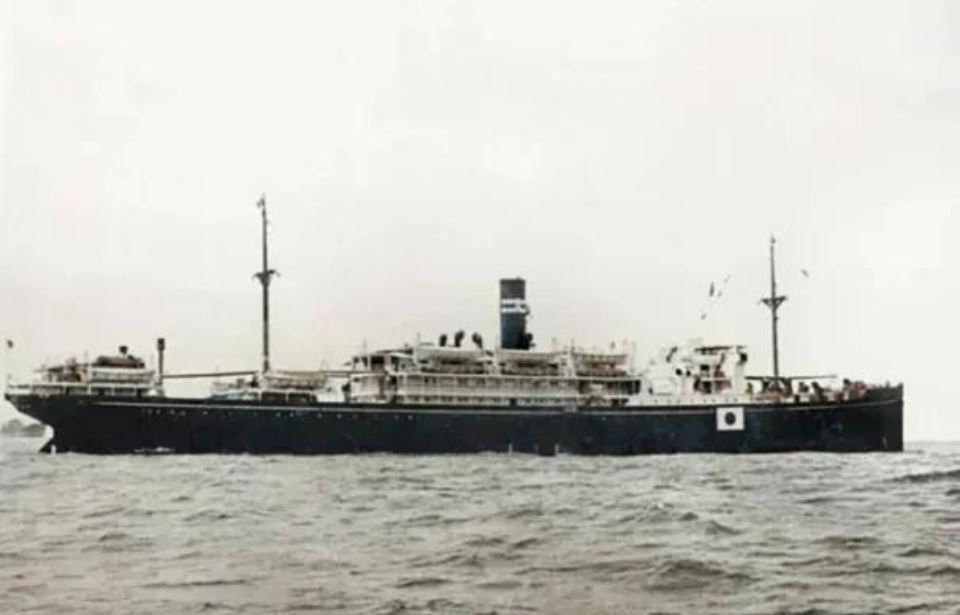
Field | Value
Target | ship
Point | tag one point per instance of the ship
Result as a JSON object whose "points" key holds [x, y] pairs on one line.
{"points": [[461, 395]]}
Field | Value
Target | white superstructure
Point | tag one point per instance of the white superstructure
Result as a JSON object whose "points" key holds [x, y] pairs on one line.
{"points": [[440, 375], [119, 375], [280, 386]]}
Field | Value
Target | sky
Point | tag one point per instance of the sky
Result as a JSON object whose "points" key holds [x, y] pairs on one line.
{"points": [[621, 156]]}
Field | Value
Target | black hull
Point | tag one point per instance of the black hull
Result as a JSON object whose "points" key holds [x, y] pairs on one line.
{"points": [[121, 425]]}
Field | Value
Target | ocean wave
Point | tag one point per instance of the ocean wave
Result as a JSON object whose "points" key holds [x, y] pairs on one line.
{"points": [[480, 542], [599, 568], [13, 556], [818, 500], [946, 571], [500, 585], [220, 607], [209, 515], [198, 584], [851, 541], [922, 552], [109, 511], [523, 512], [921, 607], [715, 528], [691, 574], [930, 477], [525, 543], [427, 520], [657, 512], [115, 537], [450, 560], [422, 582]]}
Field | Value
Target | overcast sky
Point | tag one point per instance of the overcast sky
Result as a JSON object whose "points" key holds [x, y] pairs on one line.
{"points": [[620, 155]]}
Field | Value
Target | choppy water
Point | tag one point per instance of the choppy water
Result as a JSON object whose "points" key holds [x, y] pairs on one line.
{"points": [[480, 534]]}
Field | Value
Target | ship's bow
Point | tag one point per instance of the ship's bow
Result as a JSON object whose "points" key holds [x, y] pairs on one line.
{"points": [[28, 404], [36, 407]]}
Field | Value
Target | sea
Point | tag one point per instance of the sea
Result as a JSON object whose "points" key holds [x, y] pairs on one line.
{"points": [[507, 534]]}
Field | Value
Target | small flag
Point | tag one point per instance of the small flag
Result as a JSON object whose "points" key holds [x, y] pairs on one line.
{"points": [[262, 201]]}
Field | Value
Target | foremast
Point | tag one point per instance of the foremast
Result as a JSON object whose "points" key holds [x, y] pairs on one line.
{"points": [[265, 276], [774, 302]]}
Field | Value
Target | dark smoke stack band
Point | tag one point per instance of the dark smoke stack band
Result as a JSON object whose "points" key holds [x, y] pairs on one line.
{"points": [[513, 314]]}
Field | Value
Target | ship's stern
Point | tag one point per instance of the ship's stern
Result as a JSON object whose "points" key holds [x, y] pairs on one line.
{"points": [[889, 401]]}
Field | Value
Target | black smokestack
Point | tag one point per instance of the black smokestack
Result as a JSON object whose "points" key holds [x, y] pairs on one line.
{"points": [[513, 315], [161, 348]]}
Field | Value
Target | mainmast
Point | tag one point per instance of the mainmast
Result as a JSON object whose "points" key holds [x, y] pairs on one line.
{"points": [[774, 302], [265, 275]]}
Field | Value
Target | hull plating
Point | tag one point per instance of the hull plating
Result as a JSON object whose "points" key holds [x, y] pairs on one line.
{"points": [[113, 425]]}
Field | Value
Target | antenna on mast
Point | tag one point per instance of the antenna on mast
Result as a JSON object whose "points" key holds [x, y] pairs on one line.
{"points": [[774, 302], [264, 276]]}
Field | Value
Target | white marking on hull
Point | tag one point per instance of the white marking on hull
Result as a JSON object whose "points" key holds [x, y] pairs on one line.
{"points": [[730, 419]]}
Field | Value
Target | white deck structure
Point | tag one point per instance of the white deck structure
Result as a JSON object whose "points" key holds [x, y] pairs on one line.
{"points": [[435, 375]]}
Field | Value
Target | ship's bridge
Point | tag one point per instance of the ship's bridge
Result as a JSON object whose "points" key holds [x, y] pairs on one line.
{"points": [[696, 369]]}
